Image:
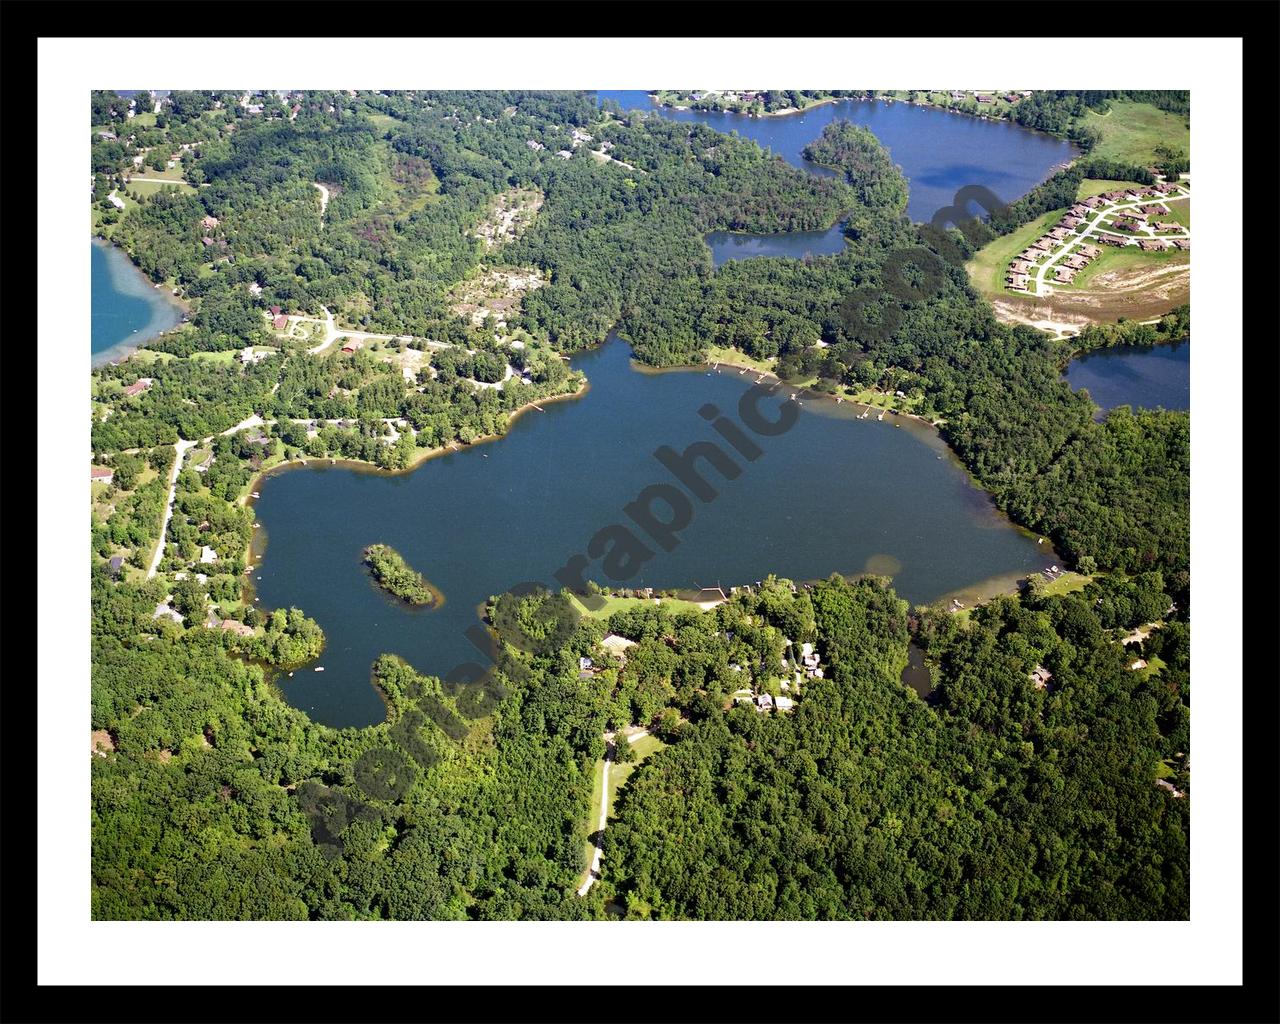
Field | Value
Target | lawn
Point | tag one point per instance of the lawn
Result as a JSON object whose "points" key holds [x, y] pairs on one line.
{"points": [[1179, 211], [173, 174], [150, 188], [618, 604], [1096, 186], [736, 357], [1067, 583], [988, 266], [224, 358], [1132, 131]]}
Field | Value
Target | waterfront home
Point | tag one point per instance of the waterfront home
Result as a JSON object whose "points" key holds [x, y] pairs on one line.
{"points": [[238, 628], [138, 386], [101, 474], [982, 97]]}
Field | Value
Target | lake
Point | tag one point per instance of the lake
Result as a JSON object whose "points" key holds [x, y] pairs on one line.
{"points": [[742, 245], [939, 152], [126, 309], [832, 494], [1142, 376]]}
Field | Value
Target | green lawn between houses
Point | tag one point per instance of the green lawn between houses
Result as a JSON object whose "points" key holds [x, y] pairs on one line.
{"points": [[988, 266]]}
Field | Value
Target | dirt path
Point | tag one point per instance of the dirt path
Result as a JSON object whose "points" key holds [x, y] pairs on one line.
{"points": [[324, 200], [181, 450]]}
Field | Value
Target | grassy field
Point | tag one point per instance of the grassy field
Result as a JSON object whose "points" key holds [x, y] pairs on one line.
{"points": [[173, 174], [147, 356], [150, 188], [618, 604], [1096, 186], [1128, 258], [1132, 131], [987, 268], [1179, 212]]}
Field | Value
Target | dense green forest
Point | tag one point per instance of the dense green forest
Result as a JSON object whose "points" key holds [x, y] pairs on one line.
{"points": [[997, 798]]}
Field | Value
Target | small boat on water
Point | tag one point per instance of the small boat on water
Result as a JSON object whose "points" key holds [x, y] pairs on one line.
{"points": [[319, 668]]}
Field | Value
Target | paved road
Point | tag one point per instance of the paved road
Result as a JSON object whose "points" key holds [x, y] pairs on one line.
{"points": [[1095, 225]]}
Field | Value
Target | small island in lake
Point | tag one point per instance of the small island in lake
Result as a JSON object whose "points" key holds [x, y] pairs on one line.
{"points": [[392, 573]]}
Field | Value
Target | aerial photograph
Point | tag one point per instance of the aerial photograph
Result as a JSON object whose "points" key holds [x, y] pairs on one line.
{"points": [[644, 505]]}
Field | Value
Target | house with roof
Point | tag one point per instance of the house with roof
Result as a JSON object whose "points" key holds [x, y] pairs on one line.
{"points": [[1153, 244], [280, 322], [1040, 677], [138, 386], [353, 344], [116, 565], [207, 555], [238, 628], [1182, 243], [209, 222], [101, 474], [617, 645], [1064, 275]]}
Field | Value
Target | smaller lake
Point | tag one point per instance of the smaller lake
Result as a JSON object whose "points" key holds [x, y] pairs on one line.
{"points": [[126, 309], [1145, 377], [917, 675], [742, 245]]}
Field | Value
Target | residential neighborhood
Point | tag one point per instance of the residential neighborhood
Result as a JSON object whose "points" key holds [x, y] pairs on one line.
{"points": [[1064, 250]]}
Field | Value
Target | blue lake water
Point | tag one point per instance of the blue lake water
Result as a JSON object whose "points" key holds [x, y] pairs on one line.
{"points": [[832, 494], [939, 152], [741, 245], [1145, 377], [126, 309]]}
